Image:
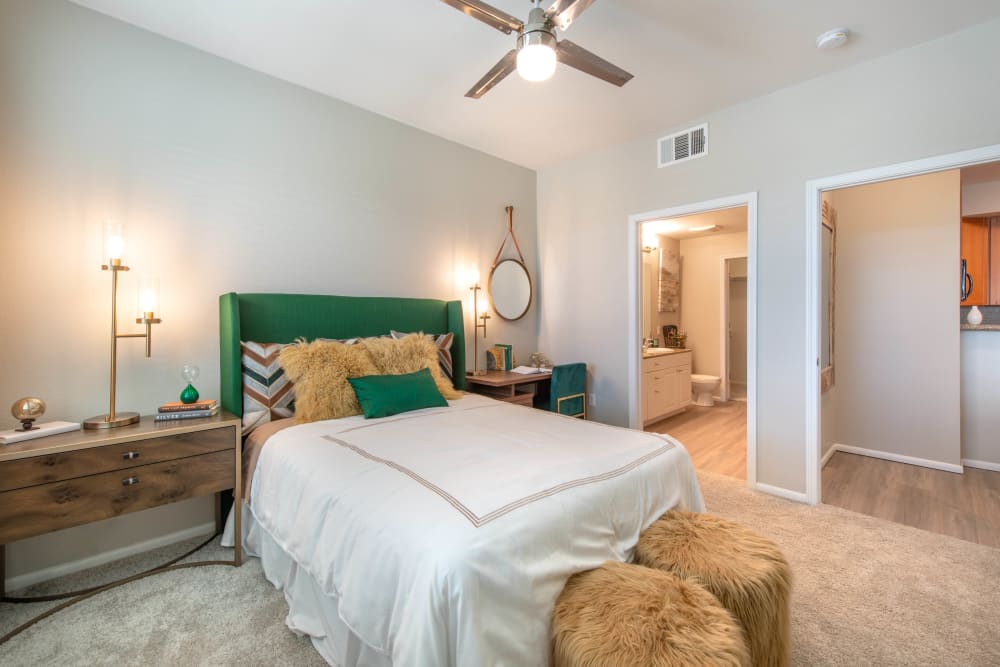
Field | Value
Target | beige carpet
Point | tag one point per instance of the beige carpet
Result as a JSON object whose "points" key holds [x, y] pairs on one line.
{"points": [[867, 592]]}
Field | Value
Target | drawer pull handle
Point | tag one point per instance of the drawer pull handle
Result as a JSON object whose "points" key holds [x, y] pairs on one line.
{"points": [[130, 481], [128, 456]]}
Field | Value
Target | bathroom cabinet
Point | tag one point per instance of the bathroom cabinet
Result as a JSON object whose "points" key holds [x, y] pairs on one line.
{"points": [[666, 385]]}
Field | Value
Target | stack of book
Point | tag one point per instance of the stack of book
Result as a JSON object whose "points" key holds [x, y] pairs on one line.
{"points": [[178, 410], [500, 357]]}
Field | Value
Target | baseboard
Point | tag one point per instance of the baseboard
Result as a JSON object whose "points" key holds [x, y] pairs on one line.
{"points": [[826, 457], [38, 576], [982, 465], [899, 458], [787, 494]]}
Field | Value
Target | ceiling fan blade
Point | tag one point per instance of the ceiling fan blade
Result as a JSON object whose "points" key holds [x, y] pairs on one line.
{"points": [[564, 12], [506, 65], [580, 58], [488, 14]]}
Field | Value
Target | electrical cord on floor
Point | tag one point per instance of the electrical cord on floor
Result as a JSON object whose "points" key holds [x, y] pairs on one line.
{"points": [[72, 597]]}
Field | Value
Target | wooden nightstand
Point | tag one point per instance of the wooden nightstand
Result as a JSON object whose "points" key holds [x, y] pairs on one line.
{"points": [[75, 478], [507, 386]]}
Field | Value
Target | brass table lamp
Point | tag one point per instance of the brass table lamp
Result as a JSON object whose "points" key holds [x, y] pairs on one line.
{"points": [[114, 244]]}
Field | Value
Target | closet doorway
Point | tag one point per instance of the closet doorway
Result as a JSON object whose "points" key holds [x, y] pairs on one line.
{"points": [[968, 465], [734, 329]]}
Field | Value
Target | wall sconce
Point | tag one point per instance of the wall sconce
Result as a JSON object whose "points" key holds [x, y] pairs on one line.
{"points": [[649, 241], [114, 251], [475, 332]]}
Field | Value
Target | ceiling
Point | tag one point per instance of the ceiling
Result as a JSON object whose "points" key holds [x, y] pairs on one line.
{"points": [[413, 60], [729, 221]]}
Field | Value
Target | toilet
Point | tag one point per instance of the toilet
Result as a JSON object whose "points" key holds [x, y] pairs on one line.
{"points": [[703, 386]]}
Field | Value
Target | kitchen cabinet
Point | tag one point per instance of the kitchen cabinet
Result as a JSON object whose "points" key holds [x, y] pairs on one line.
{"points": [[976, 256], [995, 261], [666, 385]]}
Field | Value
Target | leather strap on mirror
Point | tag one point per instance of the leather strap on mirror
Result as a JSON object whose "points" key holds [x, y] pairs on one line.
{"points": [[509, 234]]}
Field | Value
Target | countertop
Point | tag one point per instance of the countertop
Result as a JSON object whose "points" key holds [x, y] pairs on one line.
{"points": [[981, 327], [652, 352]]}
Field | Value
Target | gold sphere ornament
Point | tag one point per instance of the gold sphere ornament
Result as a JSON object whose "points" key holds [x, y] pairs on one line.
{"points": [[27, 410]]}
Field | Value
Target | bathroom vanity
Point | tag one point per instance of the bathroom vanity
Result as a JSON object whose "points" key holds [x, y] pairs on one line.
{"points": [[666, 382]]}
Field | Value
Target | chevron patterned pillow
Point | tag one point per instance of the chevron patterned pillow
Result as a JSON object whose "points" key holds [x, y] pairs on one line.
{"points": [[443, 342], [268, 394]]}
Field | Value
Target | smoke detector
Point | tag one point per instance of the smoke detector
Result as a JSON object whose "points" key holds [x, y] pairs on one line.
{"points": [[831, 39]]}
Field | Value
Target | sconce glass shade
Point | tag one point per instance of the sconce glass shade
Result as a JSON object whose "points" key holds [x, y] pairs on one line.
{"points": [[649, 240], [148, 297], [114, 243]]}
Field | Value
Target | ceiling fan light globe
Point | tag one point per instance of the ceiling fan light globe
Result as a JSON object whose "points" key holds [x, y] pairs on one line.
{"points": [[536, 62]]}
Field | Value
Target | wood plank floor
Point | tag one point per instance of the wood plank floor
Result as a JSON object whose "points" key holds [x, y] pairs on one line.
{"points": [[965, 506], [715, 437]]}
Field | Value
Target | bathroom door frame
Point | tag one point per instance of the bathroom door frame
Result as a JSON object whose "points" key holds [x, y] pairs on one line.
{"points": [[725, 352], [814, 192], [634, 301]]}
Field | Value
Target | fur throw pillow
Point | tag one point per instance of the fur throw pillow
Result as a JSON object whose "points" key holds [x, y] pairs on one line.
{"points": [[408, 355], [320, 370]]}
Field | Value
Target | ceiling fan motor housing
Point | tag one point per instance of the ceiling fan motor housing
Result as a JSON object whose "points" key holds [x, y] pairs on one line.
{"points": [[538, 30]]}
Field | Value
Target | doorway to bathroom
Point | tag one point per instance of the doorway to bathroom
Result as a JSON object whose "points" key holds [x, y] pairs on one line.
{"points": [[695, 320]]}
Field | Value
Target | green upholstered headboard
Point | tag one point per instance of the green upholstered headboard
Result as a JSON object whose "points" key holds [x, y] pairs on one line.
{"points": [[281, 318]]}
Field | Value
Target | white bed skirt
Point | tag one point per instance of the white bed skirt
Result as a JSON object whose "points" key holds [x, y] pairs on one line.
{"points": [[311, 612]]}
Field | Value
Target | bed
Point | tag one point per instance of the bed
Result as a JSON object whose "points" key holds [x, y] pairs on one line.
{"points": [[441, 536]]}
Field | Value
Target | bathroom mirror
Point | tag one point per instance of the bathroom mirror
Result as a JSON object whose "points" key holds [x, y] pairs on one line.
{"points": [[828, 232], [510, 289]]}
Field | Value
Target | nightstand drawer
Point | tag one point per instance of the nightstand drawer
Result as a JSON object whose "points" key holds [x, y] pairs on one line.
{"points": [[47, 507], [21, 473]]}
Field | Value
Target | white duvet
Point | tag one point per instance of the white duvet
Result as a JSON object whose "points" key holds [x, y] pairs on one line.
{"points": [[444, 536]]}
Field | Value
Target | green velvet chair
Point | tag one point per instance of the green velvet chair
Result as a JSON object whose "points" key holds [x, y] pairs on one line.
{"points": [[568, 392]]}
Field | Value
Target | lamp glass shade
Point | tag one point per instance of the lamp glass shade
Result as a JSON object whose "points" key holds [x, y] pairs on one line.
{"points": [[536, 62], [148, 298], [114, 242]]}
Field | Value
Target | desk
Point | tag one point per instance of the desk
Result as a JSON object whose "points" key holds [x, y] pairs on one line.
{"points": [[507, 386]]}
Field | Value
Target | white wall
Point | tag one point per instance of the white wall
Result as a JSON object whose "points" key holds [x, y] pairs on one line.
{"points": [[898, 361], [981, 396], [227, 180], [981, 198], [701, 296], [876, 113]]}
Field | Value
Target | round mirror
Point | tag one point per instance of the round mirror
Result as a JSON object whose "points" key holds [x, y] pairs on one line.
{"points": [[510, 289]]}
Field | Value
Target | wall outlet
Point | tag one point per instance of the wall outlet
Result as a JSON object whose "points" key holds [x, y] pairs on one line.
{"points": [[592, 399]]}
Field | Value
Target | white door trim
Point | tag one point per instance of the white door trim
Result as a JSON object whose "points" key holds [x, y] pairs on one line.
{"points": [[634, 301], [814, 190], [724, 315]]}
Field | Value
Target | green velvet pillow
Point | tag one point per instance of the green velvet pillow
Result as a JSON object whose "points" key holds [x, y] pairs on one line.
{"points": [[386, 395]]}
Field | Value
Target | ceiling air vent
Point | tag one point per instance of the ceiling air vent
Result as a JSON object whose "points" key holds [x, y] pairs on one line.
{"points": [[681, 146]]}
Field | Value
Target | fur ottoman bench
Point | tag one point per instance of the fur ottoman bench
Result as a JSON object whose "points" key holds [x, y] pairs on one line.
{"points": [[622, 615], [745, 571]]}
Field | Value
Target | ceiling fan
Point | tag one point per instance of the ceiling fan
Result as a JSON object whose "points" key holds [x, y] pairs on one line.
{"points": [[537, 49]]}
